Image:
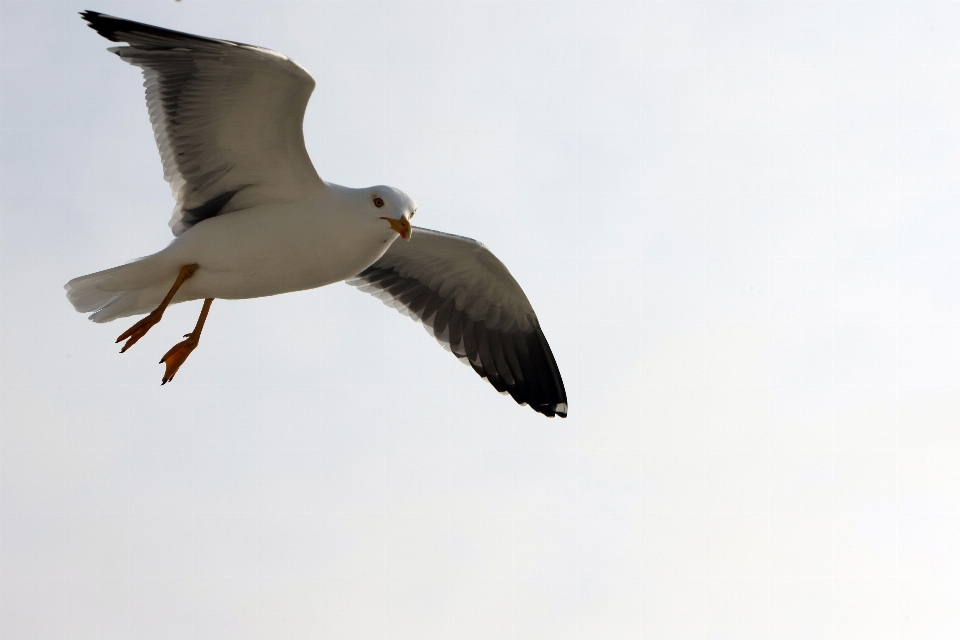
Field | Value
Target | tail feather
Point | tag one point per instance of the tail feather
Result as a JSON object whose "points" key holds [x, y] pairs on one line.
{"points": [[121, 291], [129, 304]]}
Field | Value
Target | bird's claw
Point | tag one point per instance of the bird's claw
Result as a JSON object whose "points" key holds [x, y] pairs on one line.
{"points": [[137, 331], [176, 356]]}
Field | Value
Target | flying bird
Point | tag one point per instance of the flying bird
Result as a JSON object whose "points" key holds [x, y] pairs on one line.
{"points": [[252, 218]]}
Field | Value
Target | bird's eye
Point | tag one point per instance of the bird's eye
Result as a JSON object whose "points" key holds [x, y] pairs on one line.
{"points": [[378, 201]]}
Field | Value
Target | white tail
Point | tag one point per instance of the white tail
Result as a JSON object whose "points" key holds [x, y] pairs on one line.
{"points": [[123, 291]]}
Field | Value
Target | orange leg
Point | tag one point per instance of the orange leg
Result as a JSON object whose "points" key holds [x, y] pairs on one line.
{"points": [[179, 352], [140, 329]]}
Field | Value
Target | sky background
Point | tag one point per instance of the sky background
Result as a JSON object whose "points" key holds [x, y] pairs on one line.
{"points": [[737, 223]]}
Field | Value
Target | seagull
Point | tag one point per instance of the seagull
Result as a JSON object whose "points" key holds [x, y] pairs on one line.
{"points": [[253, 218]]}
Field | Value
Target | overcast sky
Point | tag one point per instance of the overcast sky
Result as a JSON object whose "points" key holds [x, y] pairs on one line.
{"points": [[737, 223]]}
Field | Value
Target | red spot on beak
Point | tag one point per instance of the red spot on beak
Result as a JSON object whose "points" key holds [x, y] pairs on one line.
{"points": [[401, 225]]}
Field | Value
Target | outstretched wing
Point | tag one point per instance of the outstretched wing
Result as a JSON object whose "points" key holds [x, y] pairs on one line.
{"points": [[228, 118], [471, 304]]}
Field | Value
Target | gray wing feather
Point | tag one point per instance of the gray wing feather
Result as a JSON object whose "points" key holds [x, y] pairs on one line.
{"points": [[467, 299], [227, 118]]}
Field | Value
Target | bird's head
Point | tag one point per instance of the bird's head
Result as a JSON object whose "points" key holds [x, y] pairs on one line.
{"points": [[394, 207]]}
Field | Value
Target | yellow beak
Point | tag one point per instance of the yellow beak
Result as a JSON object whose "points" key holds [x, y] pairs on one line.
{"points": [[401, 225]]}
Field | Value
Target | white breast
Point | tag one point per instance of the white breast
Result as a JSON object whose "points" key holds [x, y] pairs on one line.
{"points": [[260, 252]]}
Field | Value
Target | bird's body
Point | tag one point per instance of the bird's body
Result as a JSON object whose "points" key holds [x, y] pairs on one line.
{"points": [[261, 251], [254, 219], [275, 249]]}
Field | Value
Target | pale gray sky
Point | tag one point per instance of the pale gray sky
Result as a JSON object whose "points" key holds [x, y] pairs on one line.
{"points": [[738, 225]]}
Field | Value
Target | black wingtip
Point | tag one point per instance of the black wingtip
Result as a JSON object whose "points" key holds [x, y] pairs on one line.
{"points": [[103, 24], [556, 410], [542, 387], [144, 35]]}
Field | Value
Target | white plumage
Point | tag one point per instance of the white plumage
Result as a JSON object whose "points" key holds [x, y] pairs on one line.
{"points": [[253, 218]]}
